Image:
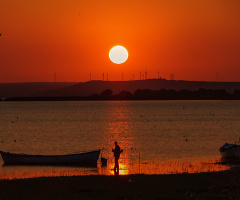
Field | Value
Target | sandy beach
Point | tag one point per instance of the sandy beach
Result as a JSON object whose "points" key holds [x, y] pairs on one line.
{"points": [[210, 185]]}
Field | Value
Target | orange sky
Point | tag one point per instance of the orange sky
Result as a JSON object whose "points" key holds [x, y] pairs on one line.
{"points": [[192, 39]]}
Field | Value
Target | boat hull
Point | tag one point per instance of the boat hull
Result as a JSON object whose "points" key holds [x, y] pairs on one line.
{"points": [[81, 159]]}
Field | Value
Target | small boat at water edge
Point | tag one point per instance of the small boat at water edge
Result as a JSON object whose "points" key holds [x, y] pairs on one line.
{"points": [[79, 159], [230, 151]]}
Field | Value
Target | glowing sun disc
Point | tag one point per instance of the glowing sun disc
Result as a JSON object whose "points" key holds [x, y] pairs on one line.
{"points": [[118, 54]]}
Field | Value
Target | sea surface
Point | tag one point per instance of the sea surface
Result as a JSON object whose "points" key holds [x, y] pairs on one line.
{"points": [[157, 137]]}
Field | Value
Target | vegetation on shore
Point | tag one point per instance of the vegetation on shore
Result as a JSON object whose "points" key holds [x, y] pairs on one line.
{"points": [[146, 94]]}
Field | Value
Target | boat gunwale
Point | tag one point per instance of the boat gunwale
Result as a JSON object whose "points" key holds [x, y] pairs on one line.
{"points": [[234, 146]]}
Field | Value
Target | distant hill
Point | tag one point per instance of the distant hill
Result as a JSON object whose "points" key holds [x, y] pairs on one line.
{"points": [[96, 87], [29, 89]]}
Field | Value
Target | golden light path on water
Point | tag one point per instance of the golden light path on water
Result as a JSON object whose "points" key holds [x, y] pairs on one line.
{"points": [[130, 160], [122, 131]]}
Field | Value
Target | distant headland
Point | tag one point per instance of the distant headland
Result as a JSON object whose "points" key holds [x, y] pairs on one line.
{"points": [[94, 90]]}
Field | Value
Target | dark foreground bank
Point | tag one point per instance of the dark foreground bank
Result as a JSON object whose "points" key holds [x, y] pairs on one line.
{"points": [[215, 185]]}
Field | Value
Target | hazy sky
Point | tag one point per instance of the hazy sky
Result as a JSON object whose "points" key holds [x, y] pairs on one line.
{"points": [[192, 39]]}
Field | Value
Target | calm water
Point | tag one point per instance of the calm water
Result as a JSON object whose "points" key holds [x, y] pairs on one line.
{"points": [[163, 136]]}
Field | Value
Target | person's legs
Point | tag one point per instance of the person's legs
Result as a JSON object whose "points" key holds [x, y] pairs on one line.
{"points": [[116, 167]]}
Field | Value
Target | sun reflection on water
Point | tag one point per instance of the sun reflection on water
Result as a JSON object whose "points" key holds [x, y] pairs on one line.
{"points": [[120, 128]]}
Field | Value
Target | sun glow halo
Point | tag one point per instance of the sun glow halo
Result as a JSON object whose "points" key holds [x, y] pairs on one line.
{"points": [[118, 54]]}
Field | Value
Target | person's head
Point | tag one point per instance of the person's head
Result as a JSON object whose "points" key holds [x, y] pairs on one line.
{"points": [[115, 143]]}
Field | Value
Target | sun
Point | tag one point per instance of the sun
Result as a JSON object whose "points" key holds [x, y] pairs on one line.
{"points": [[118, 54]]}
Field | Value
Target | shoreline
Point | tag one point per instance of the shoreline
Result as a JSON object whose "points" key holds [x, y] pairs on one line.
{"points": [[10, 172], [205, 185]]}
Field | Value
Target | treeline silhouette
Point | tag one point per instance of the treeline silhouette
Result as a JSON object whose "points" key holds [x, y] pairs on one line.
{"points": [[163, 94]]}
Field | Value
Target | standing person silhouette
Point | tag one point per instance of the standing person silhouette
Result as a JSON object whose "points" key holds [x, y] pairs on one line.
{"points": [[117, 151]]}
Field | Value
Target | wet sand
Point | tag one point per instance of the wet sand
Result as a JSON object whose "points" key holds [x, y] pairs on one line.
{"points": [[210, 185]]}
